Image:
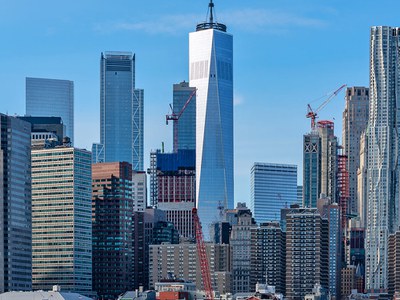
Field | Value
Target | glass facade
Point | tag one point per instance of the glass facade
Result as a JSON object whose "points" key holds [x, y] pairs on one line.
{"points": [[51, 98], [15, 205], [62, 219], [211, 72], [121, 109], [187, 121], [383, 146], [273, 186], [311, 169]]}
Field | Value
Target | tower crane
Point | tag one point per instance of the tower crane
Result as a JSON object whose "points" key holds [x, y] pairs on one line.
{"points": [[202, 254], [175, 117], [313, 113]]}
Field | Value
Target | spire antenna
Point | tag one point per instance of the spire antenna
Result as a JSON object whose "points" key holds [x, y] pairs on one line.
{"points": [[211, 7], [209, 23]]}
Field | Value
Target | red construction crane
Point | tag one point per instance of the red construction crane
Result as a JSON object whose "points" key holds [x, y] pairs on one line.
{"points": [[313, 113], [175, 117], [201, 252]]}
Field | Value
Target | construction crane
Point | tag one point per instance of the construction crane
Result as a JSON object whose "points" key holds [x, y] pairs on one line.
{"points": [[175, 117], [313, 113], [202, 254]]}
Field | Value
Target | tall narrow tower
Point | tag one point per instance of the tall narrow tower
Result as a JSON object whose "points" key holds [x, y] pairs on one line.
{"points": [[383, 152], [211, 72]]}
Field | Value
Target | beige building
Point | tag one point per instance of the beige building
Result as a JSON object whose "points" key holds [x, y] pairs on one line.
{"points": [[182, 261], [355, 120]]}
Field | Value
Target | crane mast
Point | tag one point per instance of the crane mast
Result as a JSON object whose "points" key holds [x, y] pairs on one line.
{"points": [[201, 252]]}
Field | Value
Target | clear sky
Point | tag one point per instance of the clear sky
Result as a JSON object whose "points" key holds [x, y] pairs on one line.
{"points": [[286, 54]]}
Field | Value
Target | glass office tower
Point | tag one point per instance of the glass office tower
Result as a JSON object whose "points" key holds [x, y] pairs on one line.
{"points": [[15, 205], [121, 109], [186, 131], [273, 186], [211, 72], [51, 98]]}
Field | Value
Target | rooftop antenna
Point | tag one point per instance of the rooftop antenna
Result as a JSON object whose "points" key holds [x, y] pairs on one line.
{"points": [[211, 6]]}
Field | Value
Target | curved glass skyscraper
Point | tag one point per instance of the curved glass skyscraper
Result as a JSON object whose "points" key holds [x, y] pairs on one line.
{"points": [[211, 72], [382, 153]]}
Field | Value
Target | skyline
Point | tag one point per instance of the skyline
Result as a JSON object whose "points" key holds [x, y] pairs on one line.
{"points": [[65, 41]]}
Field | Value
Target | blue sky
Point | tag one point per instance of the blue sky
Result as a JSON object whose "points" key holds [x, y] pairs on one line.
{"points": [[286, 53]]}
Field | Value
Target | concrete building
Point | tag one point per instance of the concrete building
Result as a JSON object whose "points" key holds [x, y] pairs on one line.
{"points": [[139, 190], [112, 212], [51, 98], [186, 131], [182, 261], [268, 256], [240, 241], [121, 110], [15, 204], [272, 187], [211, 72], [329, 148], [176, 179], [62, 219], [307, 260], [383, 152], [355, 120]]}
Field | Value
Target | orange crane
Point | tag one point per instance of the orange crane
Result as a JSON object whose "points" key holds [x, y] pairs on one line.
{"points": [[175, 117], [201, 252], [313, 113]]}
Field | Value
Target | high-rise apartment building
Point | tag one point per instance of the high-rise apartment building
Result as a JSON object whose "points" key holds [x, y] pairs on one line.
{"points": [[15, 203], [112, 211], [176, 189], [268, 256], [319, 164], [121, 110], [51, 98], [186, 131], [382, 152], [355, 119], [329, 148], [306, 252], [272, 187], [182, 261], [240, 241], [62, 219], [139, 190], [211, 72]]}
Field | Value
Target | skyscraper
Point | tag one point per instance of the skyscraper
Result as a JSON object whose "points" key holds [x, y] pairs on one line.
{"points": [[320, 148], [51, 98], [273, 186], [211, 72], [383, 152], [62, 219], [112, 211], [121, 110], [355, 119], [15, 203], [311, 169], [186, 130]]}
